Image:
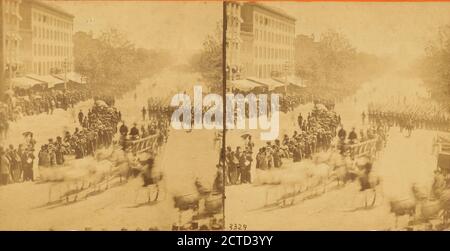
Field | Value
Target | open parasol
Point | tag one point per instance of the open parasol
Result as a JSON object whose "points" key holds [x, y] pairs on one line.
{"points": [[246, 136], [100, 103]]}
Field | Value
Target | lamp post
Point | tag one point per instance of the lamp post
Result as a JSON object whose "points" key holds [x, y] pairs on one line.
{"points": [[286, 68], [65, 65]]}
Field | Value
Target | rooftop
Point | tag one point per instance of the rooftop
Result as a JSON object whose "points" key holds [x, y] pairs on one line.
{"points": [[272, 9], [52, 7]]}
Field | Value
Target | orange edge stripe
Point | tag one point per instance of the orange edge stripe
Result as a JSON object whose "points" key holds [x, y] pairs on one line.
{"points": [[361, 1]]}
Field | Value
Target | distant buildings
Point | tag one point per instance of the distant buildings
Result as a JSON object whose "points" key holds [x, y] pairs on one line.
{"points": [[273, 39], [36, 40], [233, 39], [306, 47], [47, 38], [266, 49], [10, 40]]}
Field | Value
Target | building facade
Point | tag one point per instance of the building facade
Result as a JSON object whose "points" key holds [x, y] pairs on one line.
{"points": [[47, 45], [10, 40], [233, 39], [268, 46]]}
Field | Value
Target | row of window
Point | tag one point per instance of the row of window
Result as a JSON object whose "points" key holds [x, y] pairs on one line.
{"points": [[43, 33], [12, 20], [51, 21], [267, 70], [51, 50], [262, 20], [12, 12], [273, 53], [273, 37], [45, 68], [12, 6]]}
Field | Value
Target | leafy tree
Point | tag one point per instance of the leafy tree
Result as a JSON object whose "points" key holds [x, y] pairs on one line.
{"points": [[209, 60], [434, 67], [112, 63], [334, 65]]}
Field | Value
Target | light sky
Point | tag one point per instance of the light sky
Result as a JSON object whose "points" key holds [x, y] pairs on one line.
{"points": [[178, 26], [400, 30]]}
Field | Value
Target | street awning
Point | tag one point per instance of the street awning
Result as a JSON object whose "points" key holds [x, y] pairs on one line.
{"points": [[25, 82], [267, 82], [50, 80], [71, 76], [243, 84], [291, 80]]}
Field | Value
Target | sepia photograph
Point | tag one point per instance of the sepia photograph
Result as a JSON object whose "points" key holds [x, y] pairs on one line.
{"points": [[86, 138], [141, 115], [356, 133]]}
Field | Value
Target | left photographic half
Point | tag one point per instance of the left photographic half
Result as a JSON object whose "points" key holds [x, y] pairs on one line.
{"points": [[100, 104]]}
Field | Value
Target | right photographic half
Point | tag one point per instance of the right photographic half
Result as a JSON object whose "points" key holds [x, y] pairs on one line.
{"points": [[337, 116]]}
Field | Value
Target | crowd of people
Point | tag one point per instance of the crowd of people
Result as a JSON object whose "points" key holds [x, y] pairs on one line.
{"points": [[410, 114], [98, 127], [155, 121], [290, 102], [16, 165], [33, 102], [37, 102], [315, 133]]}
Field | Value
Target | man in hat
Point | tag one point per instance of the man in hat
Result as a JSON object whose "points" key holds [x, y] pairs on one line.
{"points": [[59, 151], [51, 152], [27, 162], [144, 112], [123, 129], [261, 159], [15, 163], [352, 136], [246, 170], [80, 117], [43, 157], [5, 172], [134, 132]]}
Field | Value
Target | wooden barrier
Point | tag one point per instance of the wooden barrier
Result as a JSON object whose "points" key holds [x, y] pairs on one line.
{"points": [[142, 145]]}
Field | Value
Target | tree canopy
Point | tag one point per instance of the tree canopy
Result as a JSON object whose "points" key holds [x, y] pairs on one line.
{"points": [[112, 63], [434, 67]]}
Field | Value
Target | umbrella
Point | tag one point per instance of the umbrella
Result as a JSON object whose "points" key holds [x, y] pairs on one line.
{"points": [[246, 136], [100, 103], [321, 107], [27, 134]]}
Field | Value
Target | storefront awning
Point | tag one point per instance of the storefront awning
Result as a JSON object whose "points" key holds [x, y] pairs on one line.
{"points": [[291, 80], [71, 76], [25, 82], [243, 84], [267, 82], [50, 80]]}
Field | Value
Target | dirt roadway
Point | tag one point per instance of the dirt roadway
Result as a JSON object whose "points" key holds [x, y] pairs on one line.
{"points": [[403, 162], [22, 205]]}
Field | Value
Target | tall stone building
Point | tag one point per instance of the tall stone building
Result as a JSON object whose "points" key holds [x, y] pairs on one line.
{"points": [[268, 47], [10, 40], [233, 40], [47, 31]]}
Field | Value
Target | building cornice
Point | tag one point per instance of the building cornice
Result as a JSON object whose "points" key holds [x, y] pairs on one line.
{"points": [[51, 7], [272, 9]]}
